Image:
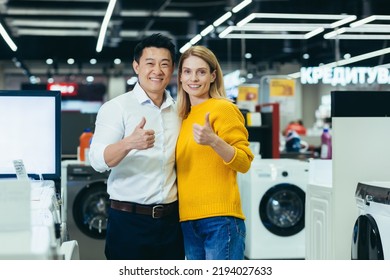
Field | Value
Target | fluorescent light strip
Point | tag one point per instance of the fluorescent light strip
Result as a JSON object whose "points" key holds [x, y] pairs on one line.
{"points": [[299, 16], [53, 12], [177, 14], [103, 29], [246, 20], [136, 33], [88, 1], [55, 32], [373, 28], [7, 39], [207, 30], [146, 13], [222, 19], [94, 13], [265, 36], [362, 37], [358, 58], [185, 47], [362, 21], [54, 23], [334, 33], [240, 6], [216, 23], [343, 21], [226, 31], [196, 39], [349, 60], [278, 26], [313, 33], [273, 27]]}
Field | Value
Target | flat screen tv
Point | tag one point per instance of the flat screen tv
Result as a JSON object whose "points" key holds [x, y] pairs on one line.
{"points": [[30, 130]]}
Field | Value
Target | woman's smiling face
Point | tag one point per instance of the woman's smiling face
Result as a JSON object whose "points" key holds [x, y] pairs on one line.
{"points": [[196, 78]]}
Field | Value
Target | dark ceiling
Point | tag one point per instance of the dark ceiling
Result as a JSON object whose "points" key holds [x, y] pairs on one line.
{"points": [[70, 28]]}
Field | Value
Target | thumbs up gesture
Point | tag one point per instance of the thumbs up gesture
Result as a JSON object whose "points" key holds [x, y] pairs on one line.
{"points": [[141, 138], [205, 135]]}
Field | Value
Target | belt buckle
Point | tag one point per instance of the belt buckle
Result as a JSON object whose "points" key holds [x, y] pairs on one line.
{"points": [[154, 211]]}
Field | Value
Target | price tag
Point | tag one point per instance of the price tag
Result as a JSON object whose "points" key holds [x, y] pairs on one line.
{"points": [[20, 170]]}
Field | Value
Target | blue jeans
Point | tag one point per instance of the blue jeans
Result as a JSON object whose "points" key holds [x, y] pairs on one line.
{"points": [[216, 238]]}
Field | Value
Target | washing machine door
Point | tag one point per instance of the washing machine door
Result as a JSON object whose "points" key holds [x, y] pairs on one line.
{"points": [[90, 210], [282, 209], [366, 240]]}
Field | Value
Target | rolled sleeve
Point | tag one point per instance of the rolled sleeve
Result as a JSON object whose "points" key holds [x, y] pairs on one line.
{"points": [[96, 157]]}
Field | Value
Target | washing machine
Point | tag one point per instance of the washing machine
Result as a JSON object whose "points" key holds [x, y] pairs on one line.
{"points": [[371, 231], [273, 195], [87, 204]]}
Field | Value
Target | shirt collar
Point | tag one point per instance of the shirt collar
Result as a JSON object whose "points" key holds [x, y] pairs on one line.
{"points": [[142, 97]]}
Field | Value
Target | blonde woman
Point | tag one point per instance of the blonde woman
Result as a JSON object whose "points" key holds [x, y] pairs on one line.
{"points": [[212, 147]]}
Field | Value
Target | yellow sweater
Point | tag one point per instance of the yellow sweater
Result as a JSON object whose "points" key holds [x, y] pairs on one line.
{"points": [[207, 186]]}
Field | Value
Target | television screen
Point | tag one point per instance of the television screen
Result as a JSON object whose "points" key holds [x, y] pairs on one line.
{"points": [[30, 131]]}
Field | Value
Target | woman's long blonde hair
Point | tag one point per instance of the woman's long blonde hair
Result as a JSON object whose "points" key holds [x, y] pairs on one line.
{"points": [[217, 88]]}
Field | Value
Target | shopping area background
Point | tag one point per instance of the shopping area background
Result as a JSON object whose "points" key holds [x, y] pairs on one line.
{"points": [[306, 189]]}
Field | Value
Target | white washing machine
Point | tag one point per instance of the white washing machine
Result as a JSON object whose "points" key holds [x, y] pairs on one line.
{"points": [[87, 203], [371, 232], [273, 199]]}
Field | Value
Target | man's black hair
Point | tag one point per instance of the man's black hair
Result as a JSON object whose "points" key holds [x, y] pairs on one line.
{"points": [[156, 40]]}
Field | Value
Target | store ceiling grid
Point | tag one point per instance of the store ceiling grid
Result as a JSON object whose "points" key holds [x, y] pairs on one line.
{"points": [[60, 29]]}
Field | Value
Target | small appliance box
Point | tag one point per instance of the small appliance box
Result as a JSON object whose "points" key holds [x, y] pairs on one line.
{"points": [[28, 214]]}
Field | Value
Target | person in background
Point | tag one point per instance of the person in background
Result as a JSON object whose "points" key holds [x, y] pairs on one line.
{"points": [[135, 137], [212, 147], [296, 126]]}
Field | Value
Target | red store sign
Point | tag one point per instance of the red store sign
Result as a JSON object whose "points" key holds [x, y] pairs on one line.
{"points": [[66, 89]]}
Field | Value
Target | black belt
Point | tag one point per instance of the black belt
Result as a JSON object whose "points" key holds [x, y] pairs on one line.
{"points": [[155, 211]]}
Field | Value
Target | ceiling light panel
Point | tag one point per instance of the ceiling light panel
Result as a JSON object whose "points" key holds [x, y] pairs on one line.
{"points": [[373, 27], [285, 26], [53, 23]]}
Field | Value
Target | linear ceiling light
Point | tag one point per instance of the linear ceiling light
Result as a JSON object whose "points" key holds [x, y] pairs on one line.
{"points": [[207, 30], [314, 32], [196, 39], [93, 13], [240, 6], [137, 33], [334, 33], [83, 32], [54, 23], [222, 19], [277, 27], [7, 38], [342, 21], [362, 21], [185, 47], [216, 23], [311, 28], [55, 32], [53, 12], [147, 13], [265, 36], [362, 37], [103, 29], [226, 31], [359, 58], [348, 60], [298, 16], [361, 32]]}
